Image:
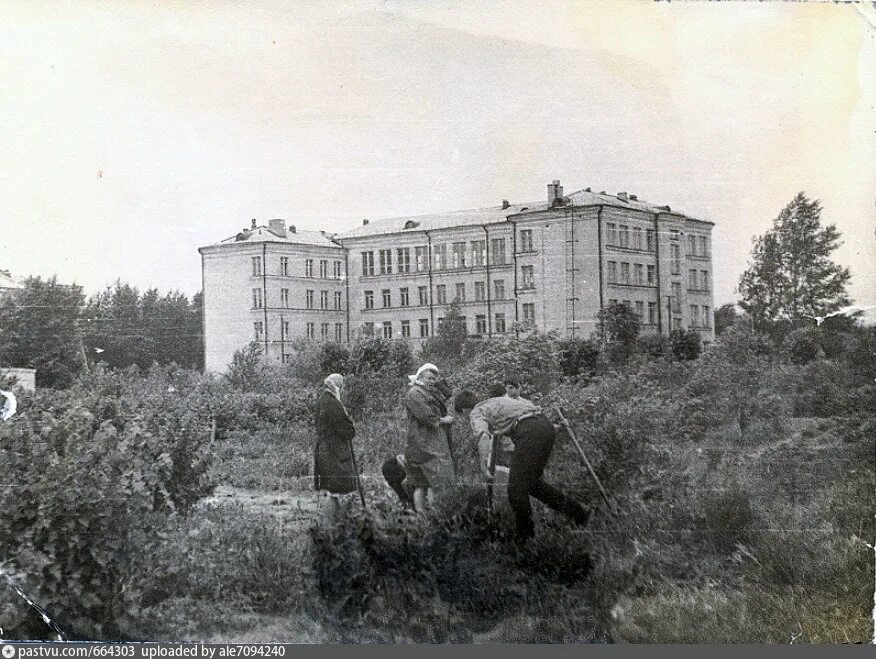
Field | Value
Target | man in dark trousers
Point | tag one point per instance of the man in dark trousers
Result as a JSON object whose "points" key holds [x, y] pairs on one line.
{"points": [[532, 435]]}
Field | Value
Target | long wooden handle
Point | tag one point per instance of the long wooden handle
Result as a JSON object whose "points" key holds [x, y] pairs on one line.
{"points": [[568, 427]]}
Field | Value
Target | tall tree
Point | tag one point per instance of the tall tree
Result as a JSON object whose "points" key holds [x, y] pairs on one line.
{"points": [[791, 274], [39, 329]]}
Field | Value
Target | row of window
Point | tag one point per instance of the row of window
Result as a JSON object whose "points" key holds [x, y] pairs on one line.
{"points": [[700, 316], [639, 275], [337, 268], [325, 331], [259, 302], [622, 236], [698, 280], [386, 328], [460, 255], [404, 294]]}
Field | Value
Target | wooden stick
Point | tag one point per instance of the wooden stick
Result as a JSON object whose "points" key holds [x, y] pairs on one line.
{"points": [[568, 427]]}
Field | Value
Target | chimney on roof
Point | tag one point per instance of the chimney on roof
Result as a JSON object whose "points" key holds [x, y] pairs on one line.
{"points": [[253, 223], [633, 198], [555, 191], [586, 189], [291, 228], [365, 222], [622, 195], [505, 204], [278, 227]]}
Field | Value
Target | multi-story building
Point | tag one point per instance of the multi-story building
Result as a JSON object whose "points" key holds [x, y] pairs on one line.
{"points": [[548, 265]]}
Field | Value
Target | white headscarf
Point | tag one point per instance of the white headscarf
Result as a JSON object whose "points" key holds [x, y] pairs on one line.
{"points": [[333, 384], [428, 366]]}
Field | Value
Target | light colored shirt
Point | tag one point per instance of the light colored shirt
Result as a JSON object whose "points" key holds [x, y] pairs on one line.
{"points": [[497, 416]]}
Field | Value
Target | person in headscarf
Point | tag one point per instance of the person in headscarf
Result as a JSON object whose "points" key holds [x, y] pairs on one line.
{"points": [[427, 452], [333, 471]]}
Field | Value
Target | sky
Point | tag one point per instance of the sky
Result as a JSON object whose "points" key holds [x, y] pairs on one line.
{"points": [[135, 132]]}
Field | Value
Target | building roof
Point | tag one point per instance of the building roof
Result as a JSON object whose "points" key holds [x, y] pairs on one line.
{"points": [[496, 214], [8, 281], [263, 234], [416, 223]]}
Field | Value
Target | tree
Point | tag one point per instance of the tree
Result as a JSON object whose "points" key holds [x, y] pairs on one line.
{"points": [[618, 330], [39, 329], [686, 344], [725, 316], [448, 344], [791, 274]]}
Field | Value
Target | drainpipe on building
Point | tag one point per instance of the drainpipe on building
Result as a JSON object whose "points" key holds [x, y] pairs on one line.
{"points": [[657, 268], [265, 291], [600, 255], [431, 306], [489, 285], [282, 339], [516, 299], [573, 269], [347, 288]]}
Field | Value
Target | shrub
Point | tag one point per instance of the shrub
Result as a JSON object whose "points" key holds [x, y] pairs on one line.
{"points": [[686, 344]]}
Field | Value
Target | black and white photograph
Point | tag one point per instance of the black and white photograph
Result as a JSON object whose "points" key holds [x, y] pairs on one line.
{"points": [[401, 322]]}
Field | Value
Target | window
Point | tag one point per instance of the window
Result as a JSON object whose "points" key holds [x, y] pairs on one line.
{"points": [[387, 329], [612, 272], [284, 266], [404, 298], [369, 299], [625, 273], [692, 245], [529, 314], [323, 269], [526, 240], [707, 317], [338, 304], [423, 292], [258, 329], [497, 251], [439, 256], [339, 332], [442, 293], [369, 329], [611, 230], [403, 255], [460, 292], [676, 297], [650, 240], [499, 289], [704, 279], [284, 330], [323, 300], [311, 330], [480, 324], [458, 255], [256, 266], [673, 234], [338, 272], [385, 261], [257, 301], [478, 252], [640, 310], [324, 331], [627, 304], [367, 264], [284, 298], [704, 246], [637, 238], [624, 236], [308, 268], [651, 274], [387, 298], [406, 328], [500, 323], [639, 272], [612, 302], [675, 258], [424, 327], [308, 299], [528, 276], [480, 291], [422, 258], [693, 280], [694, 315], [652, 313]]}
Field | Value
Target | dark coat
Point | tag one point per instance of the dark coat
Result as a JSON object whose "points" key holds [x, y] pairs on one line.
{"points": [[333, 458]]}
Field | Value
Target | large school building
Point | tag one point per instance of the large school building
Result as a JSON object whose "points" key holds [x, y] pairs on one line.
{"points": [[548, 265]]}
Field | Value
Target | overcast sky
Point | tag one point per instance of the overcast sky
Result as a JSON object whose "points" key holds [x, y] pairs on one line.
{"points": [[135, 132]]}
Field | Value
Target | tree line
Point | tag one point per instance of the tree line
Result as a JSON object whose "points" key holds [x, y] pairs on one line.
{"points": [[52, 327]]}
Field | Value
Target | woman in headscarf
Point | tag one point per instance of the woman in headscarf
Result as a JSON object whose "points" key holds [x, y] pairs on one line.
{"points": [[333, 472], [427, 454]]}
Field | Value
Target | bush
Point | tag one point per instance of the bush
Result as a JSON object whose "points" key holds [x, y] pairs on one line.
{"points": [[686, 344]]}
